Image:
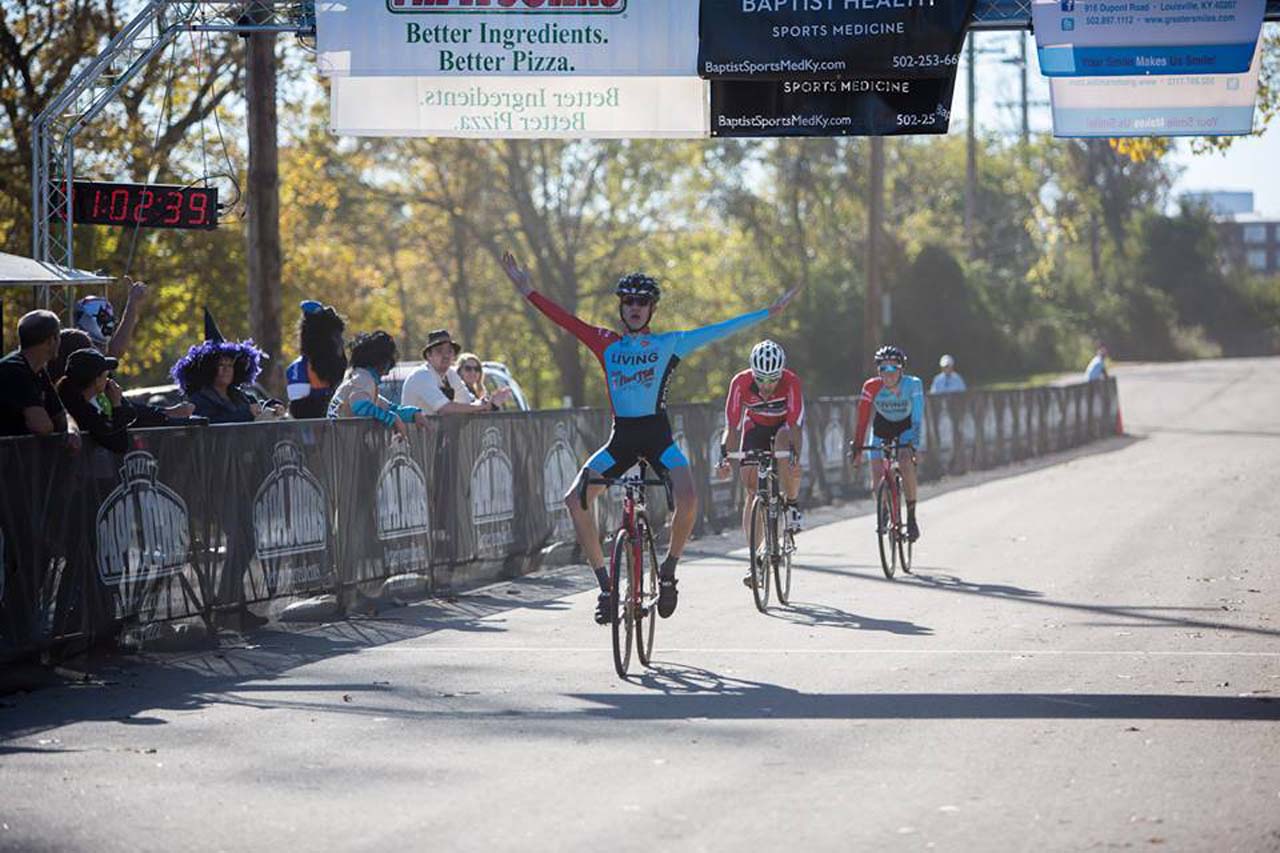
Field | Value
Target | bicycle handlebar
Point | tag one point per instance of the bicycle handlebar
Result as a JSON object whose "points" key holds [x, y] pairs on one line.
{"points": [[640, 480]]}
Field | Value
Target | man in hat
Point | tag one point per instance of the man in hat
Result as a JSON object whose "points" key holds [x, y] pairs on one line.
{"points": [[437, 389], [948, 381]]}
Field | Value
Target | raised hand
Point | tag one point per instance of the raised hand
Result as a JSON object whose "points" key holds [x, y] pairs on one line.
{"points": [[518, 275], [784, 300]]}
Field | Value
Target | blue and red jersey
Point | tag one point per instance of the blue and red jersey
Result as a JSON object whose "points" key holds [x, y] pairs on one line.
{"points": [[906, 401]]}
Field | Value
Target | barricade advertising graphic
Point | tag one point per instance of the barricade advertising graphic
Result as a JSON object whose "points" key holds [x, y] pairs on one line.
{"points": [[290, 523], [817, 40], [520, 107], [403, 514], [654, 38], [251, 514], [493, 503], [142, 529], [878, 107], [1083, 38]]}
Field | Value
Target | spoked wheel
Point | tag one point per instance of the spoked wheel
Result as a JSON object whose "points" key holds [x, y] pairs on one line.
{"points": [[760, 557], [782, 571], [647, 615], [620, 601], [887, 528], [904, 543]]}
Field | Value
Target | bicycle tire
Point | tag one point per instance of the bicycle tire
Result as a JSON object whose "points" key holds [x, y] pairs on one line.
{"points": [[885, 525], [782, 572], [647, 617], [760, 557], [904, 543], [619, 598]]}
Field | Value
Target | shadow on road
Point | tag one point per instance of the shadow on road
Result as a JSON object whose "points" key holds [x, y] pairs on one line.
{"points": [[823, 616]]}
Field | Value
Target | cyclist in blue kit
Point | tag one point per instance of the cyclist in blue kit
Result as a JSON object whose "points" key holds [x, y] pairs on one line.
{"points": [[638, 365], [897, 400]]}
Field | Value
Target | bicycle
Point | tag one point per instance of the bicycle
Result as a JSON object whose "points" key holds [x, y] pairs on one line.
{"points": [[767, 509], [633, 592], [891, 528]]}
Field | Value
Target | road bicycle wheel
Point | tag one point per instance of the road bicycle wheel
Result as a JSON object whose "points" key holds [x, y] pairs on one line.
{"points": [[782, 571], [886, 525], [647, 612], [904, 543], [760, 558], [620, 599]]}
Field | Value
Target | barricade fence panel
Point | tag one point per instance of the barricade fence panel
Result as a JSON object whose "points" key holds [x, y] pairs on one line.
{"points": [[194, 521]]}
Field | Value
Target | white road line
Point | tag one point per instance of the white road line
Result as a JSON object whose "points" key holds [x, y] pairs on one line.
{"points": [[773, 651]]}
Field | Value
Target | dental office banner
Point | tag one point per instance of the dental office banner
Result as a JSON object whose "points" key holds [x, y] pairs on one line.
{"points": [[1189, 105], [412, 38], [830, 107], [830, 39], [1083, 38], [520, 107]]}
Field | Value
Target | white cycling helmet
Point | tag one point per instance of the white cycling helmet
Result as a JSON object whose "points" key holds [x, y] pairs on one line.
{"points": [[767, 361]]}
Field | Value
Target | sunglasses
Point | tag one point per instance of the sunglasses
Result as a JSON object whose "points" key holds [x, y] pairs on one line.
{"points": [[888, 368], [469, 368], [636, 300]]}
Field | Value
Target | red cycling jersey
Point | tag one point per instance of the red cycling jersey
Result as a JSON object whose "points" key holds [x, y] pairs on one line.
{"points": [[745, 402]]}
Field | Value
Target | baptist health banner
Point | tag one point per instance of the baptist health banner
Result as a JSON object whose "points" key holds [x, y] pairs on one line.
{"points": [[1190, 105], [831, 107], [1078, 38], [410, 38], [520, 107]]}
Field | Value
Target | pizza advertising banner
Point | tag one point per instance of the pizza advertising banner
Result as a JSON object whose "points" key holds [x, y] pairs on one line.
{"points": [[521, 107], [1155, 105], [831, 107], [831, 39], [1083, 38], [505, 38]]}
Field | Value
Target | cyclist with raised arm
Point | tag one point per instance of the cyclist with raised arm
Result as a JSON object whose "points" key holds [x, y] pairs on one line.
{"points": [[638, 365], [897, 400], [765, 411]]}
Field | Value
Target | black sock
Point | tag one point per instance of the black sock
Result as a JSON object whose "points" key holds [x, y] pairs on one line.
{"points": [[911, 510], [668, 568], [602, 575]]}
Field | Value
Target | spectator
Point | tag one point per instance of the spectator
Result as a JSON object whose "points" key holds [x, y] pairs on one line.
{"points": [[211, 376], [323, 363], [146, 415], [1097, 368], [95, 316], [94, 399], [29, 404], [436, 388], [471, 371], [372, 357], [948, 381]]}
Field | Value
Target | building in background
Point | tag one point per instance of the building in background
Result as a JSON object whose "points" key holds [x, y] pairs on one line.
{"points": [[1250, 240]]}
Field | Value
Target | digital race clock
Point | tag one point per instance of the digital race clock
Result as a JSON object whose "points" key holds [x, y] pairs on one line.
{"points": [[145, 205]]}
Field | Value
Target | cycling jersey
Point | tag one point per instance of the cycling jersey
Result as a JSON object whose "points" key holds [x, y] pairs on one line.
{"points": [[746, 408], [899, 412], [638, 368]]}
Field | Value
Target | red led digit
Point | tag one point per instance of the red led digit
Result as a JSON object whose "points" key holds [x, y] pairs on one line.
{"points": [[199, 204], [119, 205], [97, 204], [146, 199], [173, 208]]}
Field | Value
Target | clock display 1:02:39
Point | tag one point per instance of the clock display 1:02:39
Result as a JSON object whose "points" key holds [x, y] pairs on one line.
{"points": [[146, 205]]}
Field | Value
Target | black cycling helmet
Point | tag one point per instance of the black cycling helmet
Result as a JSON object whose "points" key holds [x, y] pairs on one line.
{"points": [[638, 284], [890, 353]]}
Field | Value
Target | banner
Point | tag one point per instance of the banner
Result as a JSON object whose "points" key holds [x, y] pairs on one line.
{"points": [[830, 107], [504, 38], [195, 523], [1080, 38], [520, 107], [830, 39], [1192, 105]]}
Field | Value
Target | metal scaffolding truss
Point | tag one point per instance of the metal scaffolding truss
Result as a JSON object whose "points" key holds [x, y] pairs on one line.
{"points": [[157, 25]]}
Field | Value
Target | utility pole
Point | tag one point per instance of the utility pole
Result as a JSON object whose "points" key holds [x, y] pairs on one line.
{"points": [[875, 217], [1026, 104], [263, 201], [971, 160]]}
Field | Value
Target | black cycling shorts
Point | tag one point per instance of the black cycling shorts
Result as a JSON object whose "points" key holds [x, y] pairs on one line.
{"points": [[885, 429], [633, 439], [760, 437]]}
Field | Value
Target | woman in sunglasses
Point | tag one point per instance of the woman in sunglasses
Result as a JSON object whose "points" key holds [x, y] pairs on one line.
{"points": [[472, 372], [898, 402], [638, 365]]}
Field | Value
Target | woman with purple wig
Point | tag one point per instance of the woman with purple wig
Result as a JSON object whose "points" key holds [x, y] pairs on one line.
{"points": [[212, 374]]}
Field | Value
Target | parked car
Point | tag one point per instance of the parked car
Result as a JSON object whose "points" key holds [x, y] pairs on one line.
{"points": [[496, 375], [171, 395]]}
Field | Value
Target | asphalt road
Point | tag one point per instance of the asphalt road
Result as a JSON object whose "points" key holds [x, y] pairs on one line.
{"points": [[1088, 658]]}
